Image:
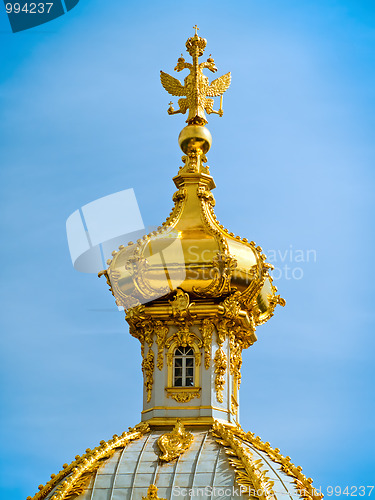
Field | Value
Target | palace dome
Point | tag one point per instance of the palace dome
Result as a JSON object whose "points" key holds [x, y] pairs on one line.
{"points": [[220, 462]]}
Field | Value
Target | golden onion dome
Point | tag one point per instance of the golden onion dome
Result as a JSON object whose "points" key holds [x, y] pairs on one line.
{"points": [[192, 251]]}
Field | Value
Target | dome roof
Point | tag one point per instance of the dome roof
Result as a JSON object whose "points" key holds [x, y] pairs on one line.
{"points": [[221, 461]]}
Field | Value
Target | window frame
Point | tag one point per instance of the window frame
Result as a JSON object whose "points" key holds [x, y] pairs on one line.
{"points": [[170, 363], [188, 354]]}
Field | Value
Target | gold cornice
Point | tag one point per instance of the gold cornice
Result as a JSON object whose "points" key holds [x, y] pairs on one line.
{"points": [[184, 408], [75, 476], [206, 422]]}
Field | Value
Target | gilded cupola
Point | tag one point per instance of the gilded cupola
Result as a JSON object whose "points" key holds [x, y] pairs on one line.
{"points": [[193, 295], [191, 250]]}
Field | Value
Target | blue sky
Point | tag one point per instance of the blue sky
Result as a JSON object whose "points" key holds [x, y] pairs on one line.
{"points": [[83, 115]]}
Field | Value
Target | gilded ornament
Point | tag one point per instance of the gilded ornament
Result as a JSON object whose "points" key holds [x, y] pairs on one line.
{"points": [[303, 484], [249, 473], [194, 162], [196, 86], [220, 369], [122, 299], [181, 305], [73, 479], [136, 314], [235, 358], [206, 195], [184, 337], [152, 493], [148, 329], [223, 266], [179, 195], [161, 336], [138, 266], [183, 396], [206, 329], [234, 406], [231, 306], [174, 443], [148, 372], [222, 331]]}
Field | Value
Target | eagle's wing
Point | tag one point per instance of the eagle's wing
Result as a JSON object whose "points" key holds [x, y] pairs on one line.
{"points": [[219, 85], [172, 85]]}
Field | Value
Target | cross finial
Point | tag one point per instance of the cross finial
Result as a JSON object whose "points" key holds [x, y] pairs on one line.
{"points": [[196, 28]]}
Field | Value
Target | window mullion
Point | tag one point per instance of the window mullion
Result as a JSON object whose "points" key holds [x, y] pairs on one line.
{"points": [[184, 370]]}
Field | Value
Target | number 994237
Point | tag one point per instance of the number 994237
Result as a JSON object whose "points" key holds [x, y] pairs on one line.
{"points": [[29, 8], [350, 491]]}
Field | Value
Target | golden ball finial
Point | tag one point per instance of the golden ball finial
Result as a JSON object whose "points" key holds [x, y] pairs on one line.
{"points": [[193, 137]]}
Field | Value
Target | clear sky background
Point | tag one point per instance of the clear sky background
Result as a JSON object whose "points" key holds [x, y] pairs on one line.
{"points": [[83, 115]]}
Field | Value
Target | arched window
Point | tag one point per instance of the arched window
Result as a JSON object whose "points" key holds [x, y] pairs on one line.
{"points": [[183, 367]]}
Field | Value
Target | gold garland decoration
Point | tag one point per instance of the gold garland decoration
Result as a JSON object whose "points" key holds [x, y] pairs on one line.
{"points": [[220, 368], [303, 484], [248, 471], [148, 371], [73, 479]]}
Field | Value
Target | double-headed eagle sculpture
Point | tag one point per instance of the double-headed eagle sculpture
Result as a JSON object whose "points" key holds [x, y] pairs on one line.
{"points": [[196, 86]]}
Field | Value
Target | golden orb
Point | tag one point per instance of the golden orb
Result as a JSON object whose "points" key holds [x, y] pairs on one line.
{"points": [[193, 137]]}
